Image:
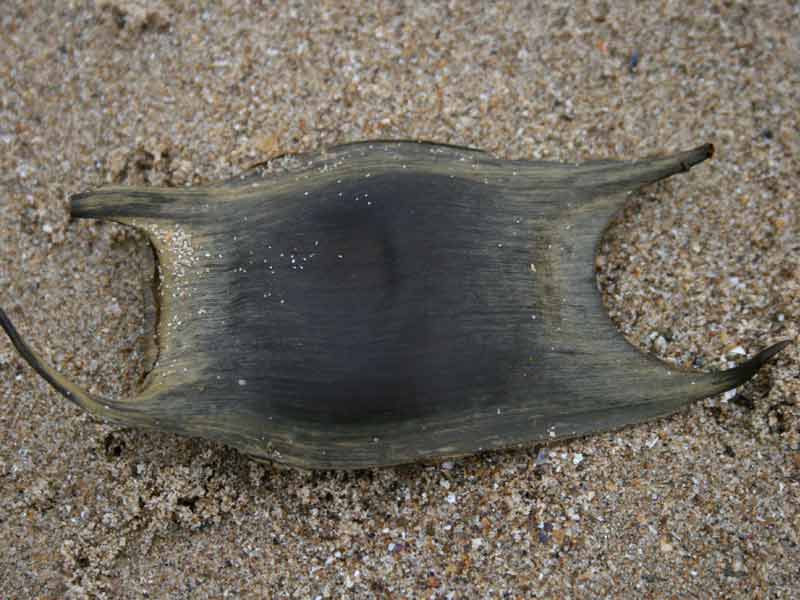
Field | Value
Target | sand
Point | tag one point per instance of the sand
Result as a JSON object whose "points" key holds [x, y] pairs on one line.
{"points": [[701, 270]]}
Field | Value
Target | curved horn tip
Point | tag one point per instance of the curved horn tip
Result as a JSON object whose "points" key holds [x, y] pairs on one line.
{"points": [[11, 332], [738, 375], [763, 356], [696, 155], [707, 150]]}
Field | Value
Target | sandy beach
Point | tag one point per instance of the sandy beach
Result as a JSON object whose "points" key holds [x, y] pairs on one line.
{"points": [[702, 270]]}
